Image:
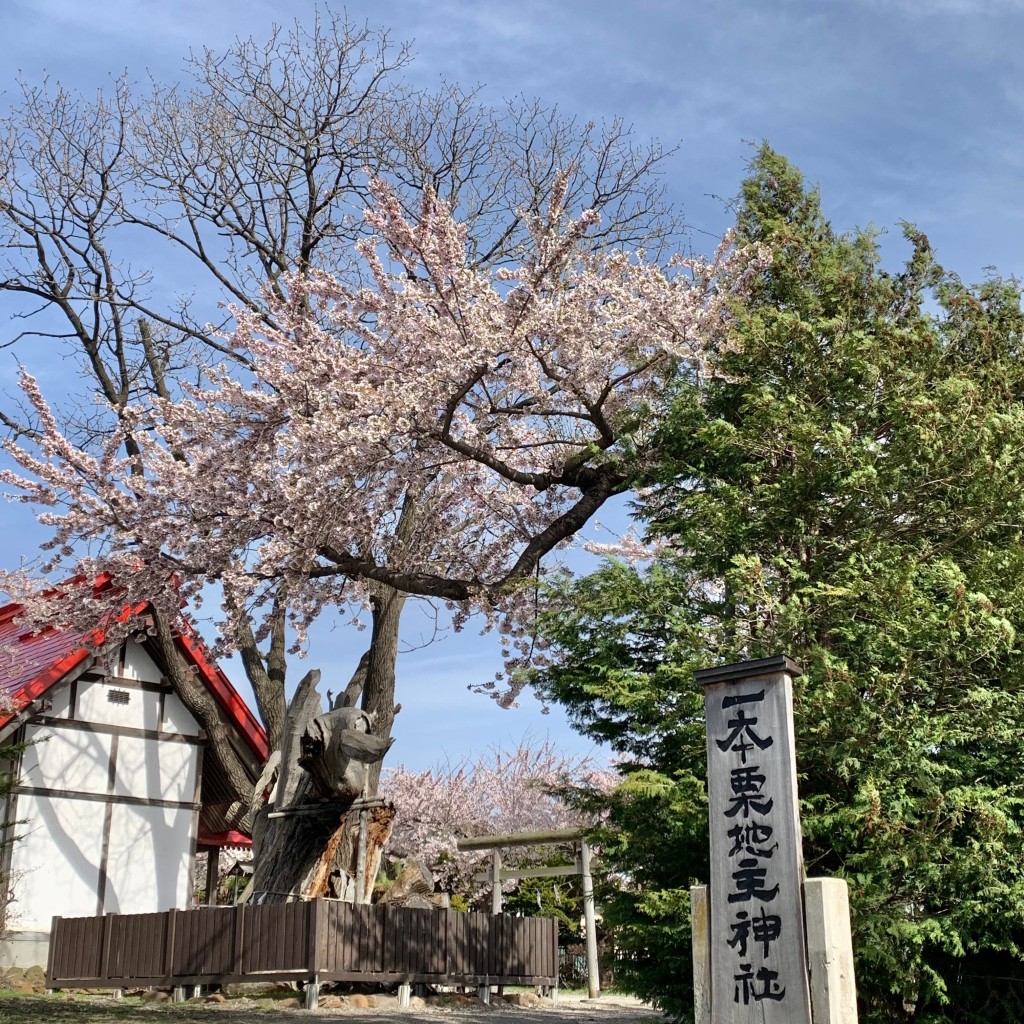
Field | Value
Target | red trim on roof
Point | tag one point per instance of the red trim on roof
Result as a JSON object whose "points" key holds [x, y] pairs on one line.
{"points": [[47, 674], [238, 712], [218, 839], [36, 687]]}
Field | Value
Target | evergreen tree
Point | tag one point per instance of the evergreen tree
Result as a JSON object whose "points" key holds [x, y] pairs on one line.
{"points": [[852, 494]]}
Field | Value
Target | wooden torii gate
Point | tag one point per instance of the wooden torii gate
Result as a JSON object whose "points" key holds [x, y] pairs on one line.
{"points": [[496, 875]]}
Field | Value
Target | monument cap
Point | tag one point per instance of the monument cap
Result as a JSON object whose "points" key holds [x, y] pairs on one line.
{"points": [[748, 669]]}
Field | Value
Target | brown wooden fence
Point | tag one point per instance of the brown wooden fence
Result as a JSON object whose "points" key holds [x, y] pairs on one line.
{"points": [[315, 941]]}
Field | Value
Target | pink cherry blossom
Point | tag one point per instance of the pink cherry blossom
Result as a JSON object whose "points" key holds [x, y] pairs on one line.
{"points": [[436, 428], [500, 793]]}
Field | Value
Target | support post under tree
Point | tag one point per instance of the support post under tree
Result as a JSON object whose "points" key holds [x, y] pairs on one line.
{"points": [[212, 865], [496, 881], [361, 894]]}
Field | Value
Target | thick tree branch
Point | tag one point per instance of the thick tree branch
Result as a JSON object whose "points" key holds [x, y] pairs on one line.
{"points": [[198, 700]]}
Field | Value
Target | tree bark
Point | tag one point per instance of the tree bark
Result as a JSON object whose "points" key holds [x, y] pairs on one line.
{"points": [[336, 874], [379, 687], [306, 837], [200, 702], [265, 672]]}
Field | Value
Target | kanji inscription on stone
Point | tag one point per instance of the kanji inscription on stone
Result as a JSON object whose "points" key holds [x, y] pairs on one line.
{"points": [[758, 949]]}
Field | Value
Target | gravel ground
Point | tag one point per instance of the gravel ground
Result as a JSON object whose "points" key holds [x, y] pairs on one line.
{"points": [[79, 1009]]}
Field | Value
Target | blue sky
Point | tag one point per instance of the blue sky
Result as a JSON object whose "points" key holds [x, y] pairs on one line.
{"points": [[899, 109]]}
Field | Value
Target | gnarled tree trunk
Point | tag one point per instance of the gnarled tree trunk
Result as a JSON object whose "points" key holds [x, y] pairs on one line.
{"points": [[324, 780]]}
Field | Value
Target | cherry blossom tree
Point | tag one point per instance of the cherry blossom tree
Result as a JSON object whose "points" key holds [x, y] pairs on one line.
{"points": [[499, 793], [251, 169], [435, 431]]}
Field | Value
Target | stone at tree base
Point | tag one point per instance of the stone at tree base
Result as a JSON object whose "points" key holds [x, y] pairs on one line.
{"points": [[521, 999], [454, 999]]}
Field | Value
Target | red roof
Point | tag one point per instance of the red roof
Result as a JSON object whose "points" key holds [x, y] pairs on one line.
{"points": [[230, 838], [41, 659]]}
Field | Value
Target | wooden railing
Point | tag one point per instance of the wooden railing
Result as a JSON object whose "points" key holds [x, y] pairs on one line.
{"points": [[316, 941]]}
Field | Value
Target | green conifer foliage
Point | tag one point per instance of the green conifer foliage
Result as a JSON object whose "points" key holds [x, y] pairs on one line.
{"points": [[849, 492]]}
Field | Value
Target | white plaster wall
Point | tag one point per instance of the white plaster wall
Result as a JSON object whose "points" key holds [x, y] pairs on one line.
{"points": [[55, 866], [177, 718], [148, 859], [65, 759], [59, 699], [157, 769], [139, 665], [141, 712]]}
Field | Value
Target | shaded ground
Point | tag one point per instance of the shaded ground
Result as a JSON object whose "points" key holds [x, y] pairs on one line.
{"points": [[81, 1009]]}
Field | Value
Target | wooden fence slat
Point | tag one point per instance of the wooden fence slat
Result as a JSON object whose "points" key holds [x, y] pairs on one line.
{"points": [[251, 940], [237, 938], [52, 950], [283, 936], [376, 926], [287, 938], [134, 950], [351, 939], [246, 940], [71, 954], [334, 953], [279, 941], [449, 943], [330, 937]]}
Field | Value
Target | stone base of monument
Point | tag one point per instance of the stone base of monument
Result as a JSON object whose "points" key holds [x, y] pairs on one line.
{"points": [[829, 952]]}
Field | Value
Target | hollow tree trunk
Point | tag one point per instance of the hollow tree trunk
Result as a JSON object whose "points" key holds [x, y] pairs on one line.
{"points": [[306, 837]]}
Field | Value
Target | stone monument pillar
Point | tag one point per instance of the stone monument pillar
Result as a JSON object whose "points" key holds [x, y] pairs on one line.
{"points": [[769, 946]]}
